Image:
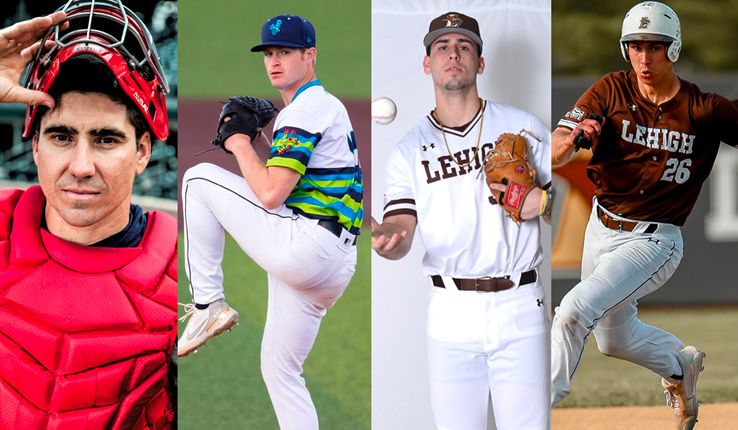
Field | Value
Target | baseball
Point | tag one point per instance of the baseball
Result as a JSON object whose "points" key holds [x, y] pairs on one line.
{"points": [[383, 111]]}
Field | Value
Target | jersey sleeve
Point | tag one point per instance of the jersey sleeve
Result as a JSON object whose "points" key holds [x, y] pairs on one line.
{"points": [[540, 152], [725, 117], [399, 198], [295, 138], [592, 101]]}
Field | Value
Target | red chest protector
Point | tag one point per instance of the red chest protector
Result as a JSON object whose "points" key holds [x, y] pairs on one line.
{"points": [[86, 334]]}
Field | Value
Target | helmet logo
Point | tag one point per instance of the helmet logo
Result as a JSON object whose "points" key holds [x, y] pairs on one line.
{"points": [[141, 102], [644, 22], [453, 20], [87, 47], [274, 28]]}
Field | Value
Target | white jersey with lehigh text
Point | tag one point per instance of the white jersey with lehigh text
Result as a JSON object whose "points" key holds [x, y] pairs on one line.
{"points": [[464, 234]]}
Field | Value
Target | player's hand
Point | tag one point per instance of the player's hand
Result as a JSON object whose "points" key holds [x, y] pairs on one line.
{"points": [[531, 205], [381, 243], [18, 45], [232, 143], [591, 128]]}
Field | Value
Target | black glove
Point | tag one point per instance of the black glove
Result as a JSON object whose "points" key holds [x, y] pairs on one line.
{"points": [[248, 115]]}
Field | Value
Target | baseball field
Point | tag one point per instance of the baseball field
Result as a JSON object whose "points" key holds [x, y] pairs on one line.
{"points": [[221, 388], [608, 393]]}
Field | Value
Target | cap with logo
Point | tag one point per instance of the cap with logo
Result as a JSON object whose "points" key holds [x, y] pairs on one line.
{"points": [[453, 22], [286, 30]]}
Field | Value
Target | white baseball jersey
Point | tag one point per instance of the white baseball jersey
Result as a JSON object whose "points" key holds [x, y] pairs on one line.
{"points": [[464, 234], [313, 136]]}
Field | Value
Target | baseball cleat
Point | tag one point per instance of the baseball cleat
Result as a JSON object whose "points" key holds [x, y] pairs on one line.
{"points": [[205, 324], [681, 396]]}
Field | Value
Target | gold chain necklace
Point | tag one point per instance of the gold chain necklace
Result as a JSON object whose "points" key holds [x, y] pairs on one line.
{"points": [[479, 139]]}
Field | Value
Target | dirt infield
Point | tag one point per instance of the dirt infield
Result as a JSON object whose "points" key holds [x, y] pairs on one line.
{"points": [[713, 416]]}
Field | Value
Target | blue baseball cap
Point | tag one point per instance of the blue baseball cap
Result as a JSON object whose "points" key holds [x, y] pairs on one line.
{"points": [[286, 30]]}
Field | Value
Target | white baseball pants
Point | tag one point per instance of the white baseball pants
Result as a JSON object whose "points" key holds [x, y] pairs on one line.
{"points": [[308, 266], [618, 268], [482, 344]]}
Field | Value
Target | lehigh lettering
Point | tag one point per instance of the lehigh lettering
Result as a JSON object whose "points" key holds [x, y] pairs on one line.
{"points": [[430, 178], [670, 140], [462, 157], [448, 170], [445, 165]]}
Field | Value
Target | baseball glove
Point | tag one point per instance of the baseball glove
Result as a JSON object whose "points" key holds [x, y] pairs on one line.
{"points": [[249, 115], [508, 165]]}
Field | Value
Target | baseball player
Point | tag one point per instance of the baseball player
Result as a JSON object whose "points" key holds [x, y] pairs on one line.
{"points": [[487, 329], [298, 217], [88, 280], [650, 155]]}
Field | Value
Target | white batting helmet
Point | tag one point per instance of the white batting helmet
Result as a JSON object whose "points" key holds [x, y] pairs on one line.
{"points": [[652, 21]]}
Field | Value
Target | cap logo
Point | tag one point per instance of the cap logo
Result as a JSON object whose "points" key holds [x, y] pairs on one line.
{"points": [[644, 22], [453, 20], [275, 28]]}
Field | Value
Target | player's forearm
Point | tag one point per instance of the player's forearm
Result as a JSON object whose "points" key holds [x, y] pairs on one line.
{"points": [[532, 204], [562, 146], [257, 175]]}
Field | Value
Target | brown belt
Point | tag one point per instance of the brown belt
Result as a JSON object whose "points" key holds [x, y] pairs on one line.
{"points": [[487, 284], [621, 225]]}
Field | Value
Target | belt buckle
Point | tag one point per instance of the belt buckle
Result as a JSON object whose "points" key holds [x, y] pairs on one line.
{"points": [[620, 226], [476, 284]]}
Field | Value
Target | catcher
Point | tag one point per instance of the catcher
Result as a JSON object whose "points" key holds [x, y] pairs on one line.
{"points": [[488, 330], [297, 215]]}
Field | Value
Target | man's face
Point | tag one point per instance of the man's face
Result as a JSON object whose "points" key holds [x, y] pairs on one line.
{"points": [[287, 67], [87, 158], [453, 62], [649, 61]]}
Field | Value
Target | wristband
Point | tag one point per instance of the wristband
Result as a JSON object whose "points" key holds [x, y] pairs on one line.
{"points": [[546, 201]]}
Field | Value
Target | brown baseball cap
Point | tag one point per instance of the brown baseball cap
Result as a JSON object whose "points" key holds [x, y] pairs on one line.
{"points": [[453, 22]]}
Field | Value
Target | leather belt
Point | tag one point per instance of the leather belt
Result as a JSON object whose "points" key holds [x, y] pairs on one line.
{"points": [[335, 228], [619, 224], [487, 284]]}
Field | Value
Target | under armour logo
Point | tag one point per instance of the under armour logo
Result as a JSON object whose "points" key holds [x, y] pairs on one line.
{"points": [[631, 107], [274, 28], [540, 302], [432, 145], [644, 22], [650, 239]]}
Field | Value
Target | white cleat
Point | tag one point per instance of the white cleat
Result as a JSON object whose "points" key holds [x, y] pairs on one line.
{"points": [[204, 324], [681, 396]]}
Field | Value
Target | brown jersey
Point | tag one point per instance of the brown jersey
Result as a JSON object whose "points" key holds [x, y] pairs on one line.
{"points": [[650, 160]]}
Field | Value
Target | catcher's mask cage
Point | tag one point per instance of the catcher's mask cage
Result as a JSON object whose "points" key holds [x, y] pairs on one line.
{"points": [[113, 33], [655, 22]]}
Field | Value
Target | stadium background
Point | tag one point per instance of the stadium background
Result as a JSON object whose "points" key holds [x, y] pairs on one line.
{"points": [[699, 303], [221, 387]]}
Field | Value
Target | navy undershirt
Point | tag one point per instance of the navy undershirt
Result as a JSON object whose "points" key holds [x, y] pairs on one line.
{"points": [[128, 237]]}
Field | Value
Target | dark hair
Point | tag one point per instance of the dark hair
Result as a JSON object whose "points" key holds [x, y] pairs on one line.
{"points": [[86, 73]]}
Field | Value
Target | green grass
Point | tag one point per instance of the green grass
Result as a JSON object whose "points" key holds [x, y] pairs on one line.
{"points": [[221, 386], [605, 381], [215, 39]]}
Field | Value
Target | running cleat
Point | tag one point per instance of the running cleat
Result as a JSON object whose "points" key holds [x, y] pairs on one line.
{"points": [[204, 324]]}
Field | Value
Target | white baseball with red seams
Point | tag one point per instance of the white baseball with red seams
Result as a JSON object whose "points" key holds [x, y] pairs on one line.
{"points": [[384, 110]]}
